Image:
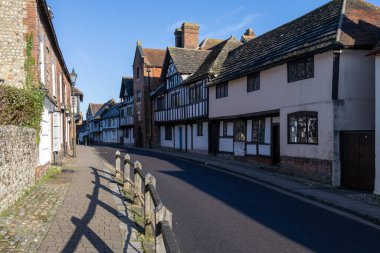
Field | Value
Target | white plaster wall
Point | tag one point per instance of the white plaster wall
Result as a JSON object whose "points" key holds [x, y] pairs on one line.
{"points": [[163, 142], [377, 132], [226, 145], [325, 147], [251, 149], [274, 85], [189, 140], [130, 139], [200, 142], [264, 150], [45, 150], [356, 111]]}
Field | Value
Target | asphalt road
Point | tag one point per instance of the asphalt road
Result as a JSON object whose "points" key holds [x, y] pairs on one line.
{"points": [[218, 212]]}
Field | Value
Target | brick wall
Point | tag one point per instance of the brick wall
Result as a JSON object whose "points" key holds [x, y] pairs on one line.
{"points": [[18, 159], [313, 169]]}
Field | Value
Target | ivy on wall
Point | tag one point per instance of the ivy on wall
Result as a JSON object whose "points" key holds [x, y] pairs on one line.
{"points": [[23, 107]]}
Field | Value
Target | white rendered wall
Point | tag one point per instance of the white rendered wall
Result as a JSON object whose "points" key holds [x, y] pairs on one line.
{"points": [[45, 138], [200, 143], [377, 133], [163, 142]]}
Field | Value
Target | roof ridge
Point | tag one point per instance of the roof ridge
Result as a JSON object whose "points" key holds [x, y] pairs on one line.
{"points": [[341, 19]]}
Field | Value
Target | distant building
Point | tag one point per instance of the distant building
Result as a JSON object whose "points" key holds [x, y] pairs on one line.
{"points": [[147, 67], [110, 127], [126, 111], [181, 102]]}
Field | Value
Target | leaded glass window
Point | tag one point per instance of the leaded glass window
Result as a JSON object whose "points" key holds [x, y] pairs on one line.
{"points": [[303, 128], [239, 130], [258, 130], [301, 69]]}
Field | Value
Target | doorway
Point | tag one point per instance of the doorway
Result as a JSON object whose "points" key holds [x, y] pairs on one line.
{"points": [[276, 144]]}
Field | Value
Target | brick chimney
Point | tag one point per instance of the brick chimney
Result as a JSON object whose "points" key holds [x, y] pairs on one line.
{"points": [[190, 33], [248, 35], [178, 37], [249, 32]]}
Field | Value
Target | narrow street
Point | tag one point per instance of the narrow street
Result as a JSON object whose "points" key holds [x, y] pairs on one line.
{"points": [[217, 212]]}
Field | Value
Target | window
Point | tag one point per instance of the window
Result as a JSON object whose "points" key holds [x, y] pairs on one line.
{"points": [[172, 77], [137, 72], [195, 94], [253, 82], [225, 128], [42, 61], [138, 96], [160, 102], [122, 113], [109, 122], [53, 79], [127, 133], [258, 130], [239, 130], [200, 129], [303, 128], [301, 69], [129, 111], [168, 132], [175, 100], [222, 90]]}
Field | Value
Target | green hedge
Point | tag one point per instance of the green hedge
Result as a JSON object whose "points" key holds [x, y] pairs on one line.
{"points": [[21, 107]]}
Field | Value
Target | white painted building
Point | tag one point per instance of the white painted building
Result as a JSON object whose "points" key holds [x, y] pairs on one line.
{"points": [[376, 53], [306, 102]]}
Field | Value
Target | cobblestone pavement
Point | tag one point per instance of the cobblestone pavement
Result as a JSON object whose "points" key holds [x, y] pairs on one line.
{"points": [[87, 220], [24, 225]]}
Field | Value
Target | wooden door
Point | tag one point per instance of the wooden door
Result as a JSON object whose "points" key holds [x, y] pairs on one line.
{"points": [[213, 137], [275, 144], [357, 157]]}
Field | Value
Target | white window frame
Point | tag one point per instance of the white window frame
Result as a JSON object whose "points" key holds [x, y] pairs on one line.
{"points": [[53, 79], [42, 61]]}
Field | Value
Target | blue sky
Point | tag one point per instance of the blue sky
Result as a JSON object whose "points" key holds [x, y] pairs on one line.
{"points": [[98, 37]]}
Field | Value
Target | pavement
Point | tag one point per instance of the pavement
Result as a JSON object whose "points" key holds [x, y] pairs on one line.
{"points": [[362, 204], [88, 220]]}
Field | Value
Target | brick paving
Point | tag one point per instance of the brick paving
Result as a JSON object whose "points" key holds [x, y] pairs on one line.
{"points": [[88, 220]]}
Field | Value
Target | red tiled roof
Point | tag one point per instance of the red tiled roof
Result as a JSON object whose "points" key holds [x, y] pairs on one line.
{"points": [[154, 57]]}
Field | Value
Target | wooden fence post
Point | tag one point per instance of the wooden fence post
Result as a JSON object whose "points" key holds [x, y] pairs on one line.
{"points": [[149, 206], [127, 183], [138, 184], [117, 166], [161, 214]]}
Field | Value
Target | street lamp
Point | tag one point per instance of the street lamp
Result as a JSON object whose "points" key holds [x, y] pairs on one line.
{"points": [[73, 79]]}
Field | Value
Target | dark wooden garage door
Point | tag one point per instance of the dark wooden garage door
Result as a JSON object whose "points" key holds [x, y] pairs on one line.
{"points": [[357, 150]]}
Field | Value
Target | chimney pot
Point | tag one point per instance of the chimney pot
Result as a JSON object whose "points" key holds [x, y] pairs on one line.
{"points": [[178, 37]]}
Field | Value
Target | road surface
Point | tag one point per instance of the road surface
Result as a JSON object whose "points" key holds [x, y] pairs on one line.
{"points": [[218, 212]]}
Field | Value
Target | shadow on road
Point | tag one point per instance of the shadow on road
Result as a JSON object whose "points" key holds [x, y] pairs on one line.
{"points": [[312, 227]]}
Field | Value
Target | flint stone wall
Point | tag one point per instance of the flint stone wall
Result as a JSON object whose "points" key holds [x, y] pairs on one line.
{"points": [[18, 159]]}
